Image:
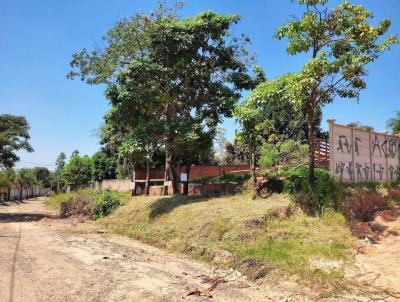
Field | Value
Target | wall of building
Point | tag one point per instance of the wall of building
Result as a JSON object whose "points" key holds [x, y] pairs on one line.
{"points": [[359, 155]]}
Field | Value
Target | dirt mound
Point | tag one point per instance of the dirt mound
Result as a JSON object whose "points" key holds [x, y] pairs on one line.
{"points": [[362, 204], [79, 205]]}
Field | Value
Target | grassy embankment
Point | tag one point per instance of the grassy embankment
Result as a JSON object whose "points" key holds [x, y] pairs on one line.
{"points": [[248, 229]]}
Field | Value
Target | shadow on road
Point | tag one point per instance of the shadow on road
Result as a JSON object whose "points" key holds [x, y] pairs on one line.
{"points": [[11, 202], [23, 217]]}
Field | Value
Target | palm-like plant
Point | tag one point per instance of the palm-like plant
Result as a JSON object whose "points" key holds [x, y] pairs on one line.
{"points": [[25, 179], [394, 124]]}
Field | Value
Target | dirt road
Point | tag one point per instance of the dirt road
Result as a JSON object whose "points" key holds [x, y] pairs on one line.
{"points": [[39, 263], [43, 259]]}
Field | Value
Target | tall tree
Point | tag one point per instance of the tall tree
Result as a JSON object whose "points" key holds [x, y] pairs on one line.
{"points": [[78, 171], [74, 153], [341, 42], [42, 176], [104, 166], [25, 180], [394, 123], [60, 161], [254, 130], [191, 69], [14, 136]]}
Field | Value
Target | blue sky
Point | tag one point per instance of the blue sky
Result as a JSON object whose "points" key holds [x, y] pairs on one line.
{"points": [[37, 38]]}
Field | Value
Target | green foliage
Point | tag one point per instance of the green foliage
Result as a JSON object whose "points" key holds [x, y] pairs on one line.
{"points": [[78, 171], [288, 153], [326, 192], [282, 245], [54, 201], [104, 202], [100, 203], [275, 104], [26, 177], [42, 176], [341, 42], [104, 167], [394, 123], [60, 161], [7, 178], [14, 136], [171, 75]]}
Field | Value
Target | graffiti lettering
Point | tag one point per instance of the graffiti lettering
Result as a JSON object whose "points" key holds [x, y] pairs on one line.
{"points": [[350, 170], [376, 144], [343, 142], [394, 173], [340, 169], [359, 171], [380, 171], [356, 140], [392, 148], [366, 171]]}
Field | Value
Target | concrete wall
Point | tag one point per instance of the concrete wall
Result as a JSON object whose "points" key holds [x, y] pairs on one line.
{"points": [[358, 155], [26, 192], [196, 172]]}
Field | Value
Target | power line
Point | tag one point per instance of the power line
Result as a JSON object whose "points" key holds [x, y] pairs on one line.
{"points": [[39, 164]]}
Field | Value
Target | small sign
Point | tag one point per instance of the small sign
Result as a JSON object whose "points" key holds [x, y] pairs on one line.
{"points": [[184, 177], [132, 186]]}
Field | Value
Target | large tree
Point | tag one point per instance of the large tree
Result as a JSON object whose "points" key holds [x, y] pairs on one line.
{"points": [[104, 166], [60, 161], [14, 136], [78, 171], [190, 69], [340, 42]]}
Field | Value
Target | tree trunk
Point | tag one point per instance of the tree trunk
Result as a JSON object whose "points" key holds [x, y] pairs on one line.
{"points": [[133, 192], [170, 169], [20, 193], [253, 166], [147, 184], [311, 161], [186, 183], [8, 194]]}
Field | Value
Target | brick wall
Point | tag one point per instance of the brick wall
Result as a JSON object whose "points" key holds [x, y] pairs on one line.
{"points": [[195, 172]]}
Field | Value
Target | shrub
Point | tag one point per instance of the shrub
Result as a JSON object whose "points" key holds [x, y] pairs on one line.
{"points": [[104, 202], [326, 191], [86, 202], [288, 153]]}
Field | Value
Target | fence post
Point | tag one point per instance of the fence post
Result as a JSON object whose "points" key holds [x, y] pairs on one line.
{"points": [[331, 146], [386, 157], [353, 176]]}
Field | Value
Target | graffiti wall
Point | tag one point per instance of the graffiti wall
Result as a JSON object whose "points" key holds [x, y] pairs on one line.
{"points": [[359, 155]]}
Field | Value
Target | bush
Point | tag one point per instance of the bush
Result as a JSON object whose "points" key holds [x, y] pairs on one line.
{"points": [[104, 202], [289, 153], [86, 202], [325, 193]]}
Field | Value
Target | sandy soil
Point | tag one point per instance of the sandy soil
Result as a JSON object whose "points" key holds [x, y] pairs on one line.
{"points": [[40, 263], [378, 262], [44, 258]]}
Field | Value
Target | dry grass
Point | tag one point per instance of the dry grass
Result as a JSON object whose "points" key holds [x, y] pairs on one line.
{"points": [[200, 226], [53, 202]]}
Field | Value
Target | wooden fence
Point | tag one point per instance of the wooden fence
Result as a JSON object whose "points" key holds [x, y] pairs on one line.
{"points": [[321, 153]]}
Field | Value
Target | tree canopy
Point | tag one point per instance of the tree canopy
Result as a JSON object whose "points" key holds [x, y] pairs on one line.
{"points": [[341, 42], [183, 73], [14, 136], [394, 123]]}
